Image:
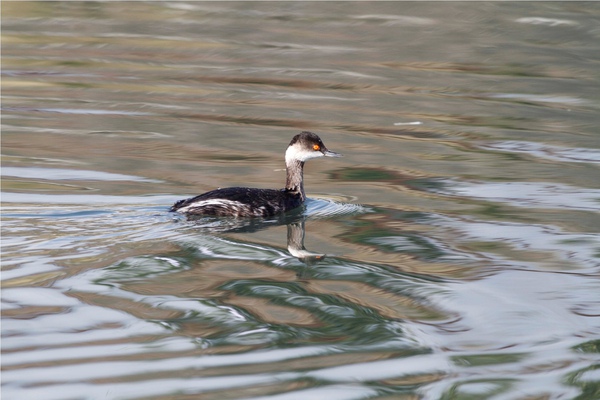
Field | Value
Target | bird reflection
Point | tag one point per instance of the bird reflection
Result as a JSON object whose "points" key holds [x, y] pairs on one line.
{"points": [[294, 221], [295, 243]]}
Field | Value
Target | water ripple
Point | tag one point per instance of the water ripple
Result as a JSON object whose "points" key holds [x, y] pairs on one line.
{"points": [[529, 194], [550, 152], [546, 21], [330, 207], [77, 111], [70, 174]]}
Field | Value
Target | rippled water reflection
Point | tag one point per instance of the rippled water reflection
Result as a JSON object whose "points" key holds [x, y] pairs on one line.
{"points": [[453, 253]]}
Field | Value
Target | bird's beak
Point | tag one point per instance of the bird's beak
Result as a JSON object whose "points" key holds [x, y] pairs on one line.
{"points": [[328, 153]]}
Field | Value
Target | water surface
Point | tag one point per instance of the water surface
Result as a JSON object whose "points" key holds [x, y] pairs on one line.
{"points": [[452, 253]]}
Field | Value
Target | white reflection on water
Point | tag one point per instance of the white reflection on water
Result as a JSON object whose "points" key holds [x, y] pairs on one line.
{"points": [[547, 21], [390, 20], [56, 335], [87, 199], [530, 194], [538, 98], [19, 297], [139, 389], [77, 111], [524, 308], [69, 174], [329, 392], [89, 351], [28, 266], [563, 250]]}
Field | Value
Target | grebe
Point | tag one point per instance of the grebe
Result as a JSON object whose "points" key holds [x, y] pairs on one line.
{"points": [[251, 202]]}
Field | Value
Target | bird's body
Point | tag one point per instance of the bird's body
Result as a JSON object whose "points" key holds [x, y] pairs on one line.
{"points": [[253, 202], [240, 202]]}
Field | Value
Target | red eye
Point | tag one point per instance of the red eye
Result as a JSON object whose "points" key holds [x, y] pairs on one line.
{"points": [[316, 147]]}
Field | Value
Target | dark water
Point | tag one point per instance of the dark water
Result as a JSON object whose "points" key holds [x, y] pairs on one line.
{"points": [[453, 253]]}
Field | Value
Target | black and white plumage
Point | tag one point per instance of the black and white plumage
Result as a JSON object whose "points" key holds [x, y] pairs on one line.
{"points": [[251, 202]]}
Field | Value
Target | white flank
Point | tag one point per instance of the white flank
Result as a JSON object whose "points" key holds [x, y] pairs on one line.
{"points": [[228, 204]]}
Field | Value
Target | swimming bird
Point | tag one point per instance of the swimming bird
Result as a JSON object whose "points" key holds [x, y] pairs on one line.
{"points": [[253, 202]]}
